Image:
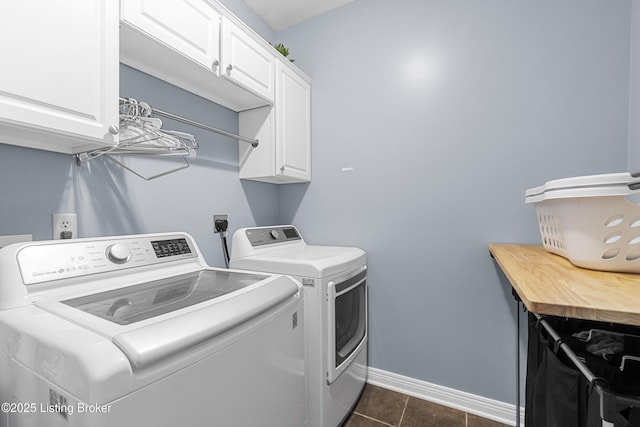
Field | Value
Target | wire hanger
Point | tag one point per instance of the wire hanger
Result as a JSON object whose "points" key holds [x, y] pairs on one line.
{"points": [[148, 110], [141, 133]]}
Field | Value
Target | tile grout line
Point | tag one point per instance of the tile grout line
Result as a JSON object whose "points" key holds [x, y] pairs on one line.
{"points": [[406, 403], [373, 419]]}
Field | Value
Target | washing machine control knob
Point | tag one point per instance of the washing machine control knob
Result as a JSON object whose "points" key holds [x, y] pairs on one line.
{"points": [[275, 234], [118, 253]]}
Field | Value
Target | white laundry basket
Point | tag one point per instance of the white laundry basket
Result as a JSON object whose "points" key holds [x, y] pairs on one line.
{"points": [[591, 220]]}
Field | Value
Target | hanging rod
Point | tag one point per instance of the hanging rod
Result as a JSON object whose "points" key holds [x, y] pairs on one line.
{"points": [[253, 142], [567, 350], [609, 400]]}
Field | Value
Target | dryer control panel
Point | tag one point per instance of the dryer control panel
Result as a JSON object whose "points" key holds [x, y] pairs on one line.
{"points": [[269, 235]]}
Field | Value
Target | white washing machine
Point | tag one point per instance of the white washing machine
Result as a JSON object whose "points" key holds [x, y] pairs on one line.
{"points": [[335, 287], [138, 331]]}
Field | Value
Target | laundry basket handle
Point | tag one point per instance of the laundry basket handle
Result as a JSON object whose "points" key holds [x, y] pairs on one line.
{"points": [[634, 185]]}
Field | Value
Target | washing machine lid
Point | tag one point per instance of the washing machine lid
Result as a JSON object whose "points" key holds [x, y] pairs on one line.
{"points": [[155, 320], [304, 260], [155, 298]]}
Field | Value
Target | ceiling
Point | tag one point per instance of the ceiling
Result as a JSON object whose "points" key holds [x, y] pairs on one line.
{"points": [[280, 14]]}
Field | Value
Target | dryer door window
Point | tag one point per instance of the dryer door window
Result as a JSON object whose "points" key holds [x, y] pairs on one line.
{"points": [[347, 322]]}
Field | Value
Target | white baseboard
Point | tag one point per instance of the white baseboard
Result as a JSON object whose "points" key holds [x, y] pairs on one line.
{"points": [[481, 406]]}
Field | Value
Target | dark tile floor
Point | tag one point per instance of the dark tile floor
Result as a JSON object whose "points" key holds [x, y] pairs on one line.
{"points": [[379, 407]]}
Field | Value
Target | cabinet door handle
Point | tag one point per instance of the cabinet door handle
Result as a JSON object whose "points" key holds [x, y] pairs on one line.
{"points": [[215, 64], [229, 68], [113, 130]]}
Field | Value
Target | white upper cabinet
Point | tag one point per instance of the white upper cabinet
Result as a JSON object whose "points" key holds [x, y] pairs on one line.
{"points": [[293, 125], [192, 45], [283, 154], [200, 46], [59, 74], [190, 27], [246, 61]]}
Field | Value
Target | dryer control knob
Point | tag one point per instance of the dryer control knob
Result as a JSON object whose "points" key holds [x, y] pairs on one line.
{"points": [[118, 253], [275, 234]]}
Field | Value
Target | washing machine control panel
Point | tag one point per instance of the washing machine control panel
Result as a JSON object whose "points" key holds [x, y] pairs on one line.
{"points": [[271, 235], [63, 259]]}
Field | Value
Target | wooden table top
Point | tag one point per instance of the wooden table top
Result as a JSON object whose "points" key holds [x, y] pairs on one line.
{"points": [[550, 284]]}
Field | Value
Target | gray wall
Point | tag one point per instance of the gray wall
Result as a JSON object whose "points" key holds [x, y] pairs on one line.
{"points": [[110, 200], [634, 91], [443, 113]]}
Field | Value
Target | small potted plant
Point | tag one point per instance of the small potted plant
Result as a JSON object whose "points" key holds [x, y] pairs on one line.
{"points": [[283, 50]]}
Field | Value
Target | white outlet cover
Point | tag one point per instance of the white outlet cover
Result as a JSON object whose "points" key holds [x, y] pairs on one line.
{"points": [[64, 222]]}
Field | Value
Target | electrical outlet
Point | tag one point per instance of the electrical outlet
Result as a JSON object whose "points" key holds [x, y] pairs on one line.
{"points": [[217, 219], [64, 226]]}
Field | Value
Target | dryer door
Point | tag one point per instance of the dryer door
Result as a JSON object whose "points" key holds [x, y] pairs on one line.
{"points": [[347, 322]]}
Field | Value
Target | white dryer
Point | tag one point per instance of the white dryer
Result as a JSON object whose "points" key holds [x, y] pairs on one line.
{"points": [[138, 331], [335, 287]]}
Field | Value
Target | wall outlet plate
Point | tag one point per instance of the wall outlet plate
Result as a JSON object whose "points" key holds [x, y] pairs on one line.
{"points": [[219, 218], [64, 226]]}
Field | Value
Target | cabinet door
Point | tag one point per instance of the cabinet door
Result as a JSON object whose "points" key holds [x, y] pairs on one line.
{"points": [[59, 73], [293, 125], [247, 62], [284, 133], [191, 27]]}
